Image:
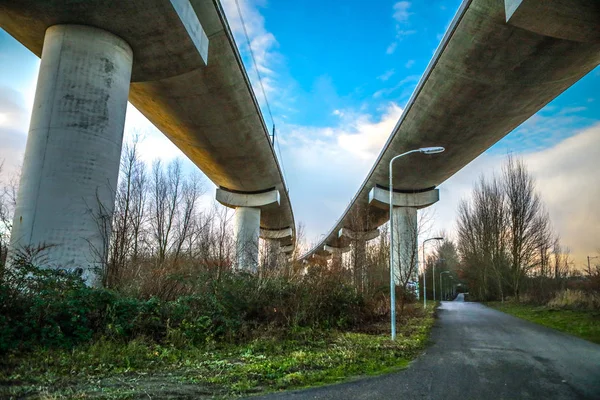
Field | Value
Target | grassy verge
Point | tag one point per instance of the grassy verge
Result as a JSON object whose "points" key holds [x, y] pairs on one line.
{"points": [[581, 323], [143, 369]]}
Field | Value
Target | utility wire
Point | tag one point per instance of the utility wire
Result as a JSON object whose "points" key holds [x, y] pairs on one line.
{"points": [[261, 85], [254, 60]]}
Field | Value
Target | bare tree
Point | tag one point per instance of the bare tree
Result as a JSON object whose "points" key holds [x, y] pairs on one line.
{"points": [[7, 205], [528, 222], [504, 233]]}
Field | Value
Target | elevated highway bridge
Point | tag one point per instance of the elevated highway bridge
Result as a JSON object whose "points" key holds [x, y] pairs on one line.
{"points": [[176, 62], [499, 62]]}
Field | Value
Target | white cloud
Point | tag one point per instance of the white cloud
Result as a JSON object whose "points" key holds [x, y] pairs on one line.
{"points": [[401, 13], [391, 48], [14, 121], [262, 43], [386, 75], [409, 63], [326, 165], [567, 179]]}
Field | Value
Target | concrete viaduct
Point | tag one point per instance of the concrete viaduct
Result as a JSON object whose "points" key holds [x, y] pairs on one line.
{"points": [[499, 62], [176, 62]]}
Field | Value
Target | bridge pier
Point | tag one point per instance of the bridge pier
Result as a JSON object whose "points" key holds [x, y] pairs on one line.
{"points": [[358, 243], [406, 229], [247, 222], [277, 250], [336, 254], [71, 165]]}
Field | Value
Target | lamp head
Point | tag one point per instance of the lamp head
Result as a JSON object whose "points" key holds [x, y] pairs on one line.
{"points": [[431, 150]]}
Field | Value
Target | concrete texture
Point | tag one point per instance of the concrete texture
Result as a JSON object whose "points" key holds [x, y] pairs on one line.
{"points": [[74, 145], [286, 249], [234, 200], [203, 103], [405, 243], [273, 234], [381, 198], [336, 250], [480, 353], [358, 235], [246, 229], [486, 78], [247, 223], [563, 19]]}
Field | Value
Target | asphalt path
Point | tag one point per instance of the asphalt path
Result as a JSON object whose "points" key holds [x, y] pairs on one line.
{"points": [[481, 353]]}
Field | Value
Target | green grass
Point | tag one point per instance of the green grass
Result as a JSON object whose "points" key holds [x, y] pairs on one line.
{"points": [[581, 323], [139, 369]]}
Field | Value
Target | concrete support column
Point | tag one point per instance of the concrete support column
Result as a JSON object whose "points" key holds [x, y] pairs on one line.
{"points": [[359, 261], [246, 233], [247, 223], [406, 230], [405, 244], [336, 255], [67, 189], [358, 243], [279, 245]]}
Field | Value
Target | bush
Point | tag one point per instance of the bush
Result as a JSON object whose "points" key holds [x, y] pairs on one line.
{"points": [[575, 300], [54, 308]]}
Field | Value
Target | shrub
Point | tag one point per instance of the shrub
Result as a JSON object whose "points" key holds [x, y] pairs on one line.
{"points": [[54, 308], [575, 300]]}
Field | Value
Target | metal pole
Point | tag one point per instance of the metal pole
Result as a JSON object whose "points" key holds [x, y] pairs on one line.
{"points": [[425, 150], [424, 278], [392, 278], [433, 281]]}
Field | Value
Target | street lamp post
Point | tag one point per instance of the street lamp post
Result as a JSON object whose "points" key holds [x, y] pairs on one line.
{"points": [[424, 150], [425, 272], [441, 287], [590, 258]]}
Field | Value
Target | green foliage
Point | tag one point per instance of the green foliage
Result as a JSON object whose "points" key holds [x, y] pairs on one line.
{"points": [[141, 367], [47, 307]]}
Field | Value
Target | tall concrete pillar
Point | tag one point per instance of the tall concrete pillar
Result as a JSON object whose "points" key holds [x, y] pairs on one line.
{"points": [[278, 246], [358, 243], [336, 255], [404, 214], [247, 223], [405, 244], [246, 233], [73, 148]]}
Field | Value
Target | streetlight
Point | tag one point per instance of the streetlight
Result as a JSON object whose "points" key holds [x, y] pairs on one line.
{"points": [[590, 258], [441, 290], [425, 272], [424, 150]]}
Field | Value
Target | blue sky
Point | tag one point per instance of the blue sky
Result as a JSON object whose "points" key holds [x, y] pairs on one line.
{"points": [[337, 76]]}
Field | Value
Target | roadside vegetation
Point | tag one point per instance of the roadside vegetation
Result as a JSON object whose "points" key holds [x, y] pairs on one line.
{"points": [[238, 335], [507, 255], [174, 317], [582, 322]]}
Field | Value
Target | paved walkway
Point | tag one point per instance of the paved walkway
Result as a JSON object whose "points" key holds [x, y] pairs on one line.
{"points": [[481, 353]]}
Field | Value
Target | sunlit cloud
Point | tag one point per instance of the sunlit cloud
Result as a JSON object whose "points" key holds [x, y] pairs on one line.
{"points": [[566, 177]]}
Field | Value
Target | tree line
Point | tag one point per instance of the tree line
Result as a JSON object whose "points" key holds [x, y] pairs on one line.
{"points": [[505, 238]]}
